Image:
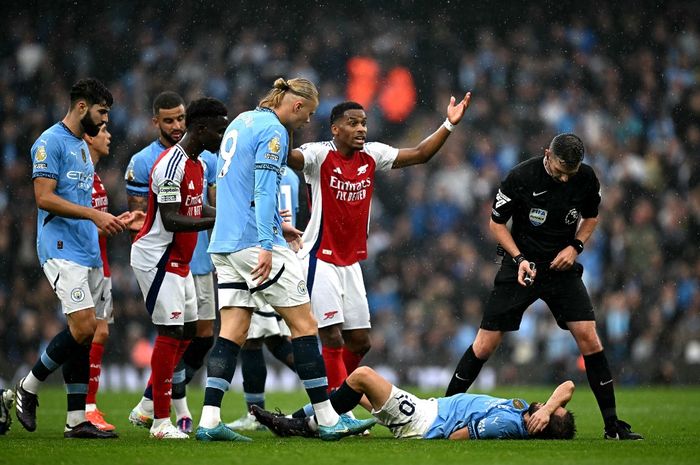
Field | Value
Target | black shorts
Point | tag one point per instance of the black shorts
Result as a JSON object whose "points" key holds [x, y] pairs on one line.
{"points": [[563, 291]]}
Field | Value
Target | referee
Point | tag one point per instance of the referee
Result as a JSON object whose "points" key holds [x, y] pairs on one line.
{"points": [[553, 202]]}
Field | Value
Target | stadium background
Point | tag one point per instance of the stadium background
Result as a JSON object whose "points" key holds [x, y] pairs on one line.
{"points": [[625, 79]]}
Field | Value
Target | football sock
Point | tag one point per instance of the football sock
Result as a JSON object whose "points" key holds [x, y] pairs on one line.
{"points": [[466, 372], [284, 352], [96, 352], [180, 403], [195, 354], [163, 359], [601, 382], [220, 370], [345, 398], [335, 366], [254, 375], [351, 359], [312, 373], [148, 392], [179, 386], [60, 349], [76, 373]]}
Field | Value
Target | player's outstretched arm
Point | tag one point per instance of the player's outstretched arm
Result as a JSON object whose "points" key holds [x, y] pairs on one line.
{"points": [[429, 146], [46, 199]]}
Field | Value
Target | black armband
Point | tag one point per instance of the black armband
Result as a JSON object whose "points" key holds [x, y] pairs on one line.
{"points": [[578, 245], [518, 259]]}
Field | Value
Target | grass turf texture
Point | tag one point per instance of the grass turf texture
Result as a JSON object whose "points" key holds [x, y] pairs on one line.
{"points": [[669, 419]]}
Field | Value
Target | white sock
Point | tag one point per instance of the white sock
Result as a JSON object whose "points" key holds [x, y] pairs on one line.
{"points": [[312, 423], [31, 383], [146, 406], [325, 415], [75, 417], [211, 416], [181, 409], [90, 407], [159, 421]]}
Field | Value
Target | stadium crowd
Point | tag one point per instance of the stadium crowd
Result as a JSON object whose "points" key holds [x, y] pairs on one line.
{"points": [[626, 81]]}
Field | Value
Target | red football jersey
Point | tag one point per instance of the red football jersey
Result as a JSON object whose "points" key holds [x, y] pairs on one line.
{"points": [[101, 203], [341, 199]]}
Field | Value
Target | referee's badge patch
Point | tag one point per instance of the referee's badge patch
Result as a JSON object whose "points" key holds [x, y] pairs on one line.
{"points": [[537, 216]]}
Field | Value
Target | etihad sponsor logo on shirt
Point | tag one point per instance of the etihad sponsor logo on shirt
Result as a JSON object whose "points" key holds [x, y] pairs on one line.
{"points": [[537, 216], [84, 179]]}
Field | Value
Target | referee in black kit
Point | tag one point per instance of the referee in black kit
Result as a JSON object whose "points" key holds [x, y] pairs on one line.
{"points": [[553, 201]]}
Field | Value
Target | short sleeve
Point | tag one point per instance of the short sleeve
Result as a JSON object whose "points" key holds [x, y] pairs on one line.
{"points": [[503, 204], [500, 425], [136, 177], [166, 182], [271, 148], [314, 154], [46, 158], [589, 209], [209, 162], [384, 155]]}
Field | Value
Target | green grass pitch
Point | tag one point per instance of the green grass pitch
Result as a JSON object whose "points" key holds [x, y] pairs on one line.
{"points": [[669, 418]]}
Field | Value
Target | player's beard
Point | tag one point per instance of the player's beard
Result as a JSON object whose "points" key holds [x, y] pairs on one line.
{"points": [[89, 127], [170, 138]]}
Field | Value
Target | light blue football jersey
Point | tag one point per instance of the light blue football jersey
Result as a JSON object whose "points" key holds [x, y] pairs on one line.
{"points": [[139, 168], [252, 155], [289, 193], [201, 262], [485, 417], [58, 154]]}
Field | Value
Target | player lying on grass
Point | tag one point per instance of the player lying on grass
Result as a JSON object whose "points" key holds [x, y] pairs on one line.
{"points": [[462, 416]]}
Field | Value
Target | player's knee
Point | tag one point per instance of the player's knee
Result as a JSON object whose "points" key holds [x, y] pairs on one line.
{"points": [[205, 328], [254, 344]]}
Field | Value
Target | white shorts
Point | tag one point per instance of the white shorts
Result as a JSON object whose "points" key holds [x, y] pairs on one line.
{"points": [[204, 289], [103, 304], [77, 287], [266, 322], [285, 288], [170, 298], [338, 294], [406, 415]]}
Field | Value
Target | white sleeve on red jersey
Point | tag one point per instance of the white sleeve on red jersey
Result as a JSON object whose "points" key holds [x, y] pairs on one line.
{"points": [[314, 154], [167, 176], [384, 155]]}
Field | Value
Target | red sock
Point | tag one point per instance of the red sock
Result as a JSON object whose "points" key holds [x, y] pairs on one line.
{"points": [[351, 359], [96, 351], [162, 366], [335, 367]]}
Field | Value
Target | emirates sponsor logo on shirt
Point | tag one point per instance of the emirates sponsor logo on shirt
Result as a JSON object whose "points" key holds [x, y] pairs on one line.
{"points": [[349, 191]]}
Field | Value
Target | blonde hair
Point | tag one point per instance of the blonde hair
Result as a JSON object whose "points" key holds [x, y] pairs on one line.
{"points": [[297, 86]]}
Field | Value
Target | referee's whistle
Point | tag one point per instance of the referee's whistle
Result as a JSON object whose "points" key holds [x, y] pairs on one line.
{"points": [[529, 279]]}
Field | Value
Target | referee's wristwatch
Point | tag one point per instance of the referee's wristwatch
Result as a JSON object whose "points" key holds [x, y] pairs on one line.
{"points": [[578, 245]]}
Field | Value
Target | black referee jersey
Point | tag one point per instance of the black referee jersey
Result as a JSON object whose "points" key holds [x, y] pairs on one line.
{"points": [[545, 212]]}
